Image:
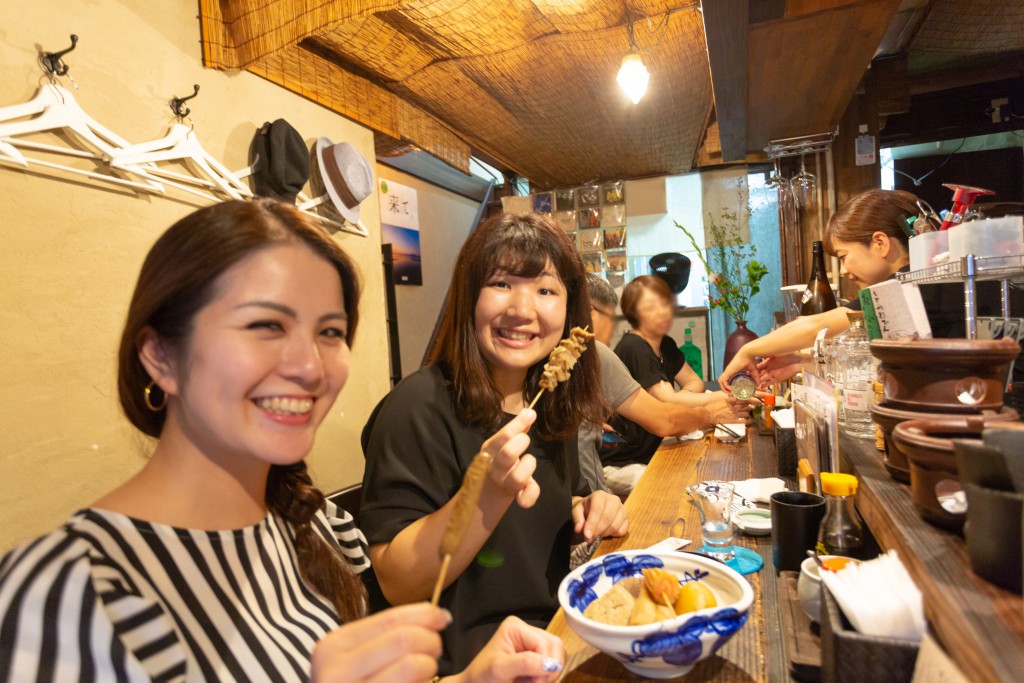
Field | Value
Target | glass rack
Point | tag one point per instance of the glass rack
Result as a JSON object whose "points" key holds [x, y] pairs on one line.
{"points": [[970, 269]]}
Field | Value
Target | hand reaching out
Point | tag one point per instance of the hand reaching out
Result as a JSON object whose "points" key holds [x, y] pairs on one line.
{"points": [[402, 645], [398, 645], [726, 408], [516, 652], [779, 368]]}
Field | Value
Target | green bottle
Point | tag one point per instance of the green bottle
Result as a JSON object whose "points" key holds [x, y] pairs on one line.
{"points": [[692, 353]]}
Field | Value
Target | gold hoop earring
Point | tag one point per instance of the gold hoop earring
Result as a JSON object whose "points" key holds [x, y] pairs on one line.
{"points": [[149, 400]]}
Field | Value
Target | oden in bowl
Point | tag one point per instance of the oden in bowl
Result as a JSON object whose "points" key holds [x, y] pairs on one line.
{"points": [[663, 649]]}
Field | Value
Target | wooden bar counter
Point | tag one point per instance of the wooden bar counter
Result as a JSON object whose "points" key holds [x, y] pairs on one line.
{"points": [[658, 508], [980, 625]]}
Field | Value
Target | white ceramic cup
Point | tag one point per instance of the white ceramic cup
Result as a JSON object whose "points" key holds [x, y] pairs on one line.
{"points": [[808, 586]]}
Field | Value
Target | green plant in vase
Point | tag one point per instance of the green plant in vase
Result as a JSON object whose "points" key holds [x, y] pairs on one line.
{"points": [[733, 271]]}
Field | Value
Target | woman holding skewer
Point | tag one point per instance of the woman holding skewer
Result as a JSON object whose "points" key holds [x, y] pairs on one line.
{"points": [[219, 560], [517, 289]]}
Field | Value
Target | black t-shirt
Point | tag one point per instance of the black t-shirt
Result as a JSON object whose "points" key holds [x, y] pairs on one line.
{"points": [[648, 369], [417, 451]]}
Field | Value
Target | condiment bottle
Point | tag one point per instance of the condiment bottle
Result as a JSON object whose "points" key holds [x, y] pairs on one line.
{"points": [[841, 530], [743, 385], [769, 405], [818, 296]]}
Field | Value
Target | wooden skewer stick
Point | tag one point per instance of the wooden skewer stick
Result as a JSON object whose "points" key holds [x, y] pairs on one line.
{"points": [[464, 509], [439, 586], [535, 399]]}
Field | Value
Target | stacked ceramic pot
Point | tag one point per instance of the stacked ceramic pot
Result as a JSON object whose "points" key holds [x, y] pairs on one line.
{"points": [[992, 473], [935, 391]]}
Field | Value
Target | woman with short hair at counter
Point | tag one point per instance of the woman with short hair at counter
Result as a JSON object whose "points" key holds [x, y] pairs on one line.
{"points": [[517, 289], [655, 362], [219, 560]]}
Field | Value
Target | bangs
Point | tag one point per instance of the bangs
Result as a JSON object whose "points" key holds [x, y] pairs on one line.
{"points": [[522, 250]]}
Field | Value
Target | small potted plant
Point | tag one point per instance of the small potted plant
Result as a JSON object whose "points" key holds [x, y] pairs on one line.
{"points": [[734, 273]]}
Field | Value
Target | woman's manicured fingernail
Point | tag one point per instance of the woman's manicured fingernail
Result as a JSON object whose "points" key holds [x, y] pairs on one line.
{"points": [[447, 617], [551, 665]]}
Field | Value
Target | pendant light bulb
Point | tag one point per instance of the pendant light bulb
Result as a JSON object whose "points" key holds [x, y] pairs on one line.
{"points": [[633, 76]]}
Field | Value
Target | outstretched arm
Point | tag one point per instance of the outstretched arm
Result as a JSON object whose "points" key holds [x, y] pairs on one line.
{"points": [[788, 339]]}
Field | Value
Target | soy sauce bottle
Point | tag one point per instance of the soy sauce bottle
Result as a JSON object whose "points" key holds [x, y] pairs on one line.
{"points": [[841, 531], [818, 296]]}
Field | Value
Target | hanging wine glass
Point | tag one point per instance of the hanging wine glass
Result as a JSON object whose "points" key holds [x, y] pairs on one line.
{"points": [[771, 182], [774, 180], [803, 184]]}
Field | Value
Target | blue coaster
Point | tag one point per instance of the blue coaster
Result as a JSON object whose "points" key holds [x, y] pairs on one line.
{"points": [[744, 560]]}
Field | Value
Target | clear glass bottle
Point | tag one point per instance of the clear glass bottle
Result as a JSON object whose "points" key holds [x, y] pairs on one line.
{"points": [[854, 373], [841, 531]]}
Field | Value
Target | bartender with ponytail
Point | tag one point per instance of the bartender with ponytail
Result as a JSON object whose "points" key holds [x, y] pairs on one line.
{"points": [[868, 235]]}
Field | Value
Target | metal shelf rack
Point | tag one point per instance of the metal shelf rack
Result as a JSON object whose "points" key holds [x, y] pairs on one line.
{"points": [[971, 269]]}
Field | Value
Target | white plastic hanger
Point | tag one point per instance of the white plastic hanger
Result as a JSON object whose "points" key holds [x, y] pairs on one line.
{"points": [[181, 144], [306, 206], [54, 109]]}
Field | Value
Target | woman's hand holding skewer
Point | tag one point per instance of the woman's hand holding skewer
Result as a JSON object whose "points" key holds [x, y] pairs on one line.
{"points": [[512, 472]]}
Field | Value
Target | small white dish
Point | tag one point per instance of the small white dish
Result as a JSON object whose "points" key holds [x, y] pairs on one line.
{"points": [[753, 521], [726, 437]]}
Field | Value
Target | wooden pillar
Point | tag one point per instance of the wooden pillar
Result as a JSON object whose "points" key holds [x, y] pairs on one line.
{"points": [[850, 178]]}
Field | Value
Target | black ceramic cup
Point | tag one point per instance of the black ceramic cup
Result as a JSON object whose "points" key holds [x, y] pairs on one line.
{"points": [[796, 516]]}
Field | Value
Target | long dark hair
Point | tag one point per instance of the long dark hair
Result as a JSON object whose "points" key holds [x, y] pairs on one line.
{"points": [[521, 245], [179, 278]]}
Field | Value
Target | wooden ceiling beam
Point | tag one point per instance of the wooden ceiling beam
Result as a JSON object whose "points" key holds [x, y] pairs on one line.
{"points": [[725, 31], [240, 33]]}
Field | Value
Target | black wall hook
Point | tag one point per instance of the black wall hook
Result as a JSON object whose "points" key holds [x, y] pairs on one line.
{"points": [[178, 103], [53, 62]]}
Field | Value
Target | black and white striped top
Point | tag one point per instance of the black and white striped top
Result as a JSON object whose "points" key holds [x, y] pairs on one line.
{"points": [[107, 597]]}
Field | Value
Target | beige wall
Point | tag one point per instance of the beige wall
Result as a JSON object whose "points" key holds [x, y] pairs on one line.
{"points": [[445, 221], [70, 252]]}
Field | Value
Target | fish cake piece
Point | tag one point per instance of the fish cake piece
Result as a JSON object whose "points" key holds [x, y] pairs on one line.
{"points": [[613, 608]]}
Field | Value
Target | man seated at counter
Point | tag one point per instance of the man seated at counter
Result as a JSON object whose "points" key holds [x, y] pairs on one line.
{"points": [[654, 361], [629, 400]]}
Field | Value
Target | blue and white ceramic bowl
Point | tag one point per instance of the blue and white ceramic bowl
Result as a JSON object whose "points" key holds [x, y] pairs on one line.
{"points": [[667, 648]]}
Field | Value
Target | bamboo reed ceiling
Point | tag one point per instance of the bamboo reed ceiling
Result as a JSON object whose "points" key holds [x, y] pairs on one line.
{"points": [[959, 30], [530, 83]]}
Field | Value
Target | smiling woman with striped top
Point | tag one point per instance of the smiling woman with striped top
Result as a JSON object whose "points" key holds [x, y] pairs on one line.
{"points": [[219, 560]]}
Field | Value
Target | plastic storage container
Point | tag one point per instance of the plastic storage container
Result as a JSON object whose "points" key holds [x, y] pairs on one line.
{"points": [[989, 237], [926, 247]]}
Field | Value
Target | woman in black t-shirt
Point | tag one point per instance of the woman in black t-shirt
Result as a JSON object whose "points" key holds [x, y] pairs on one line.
{"points": [[517, 289], [655, 361]]}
